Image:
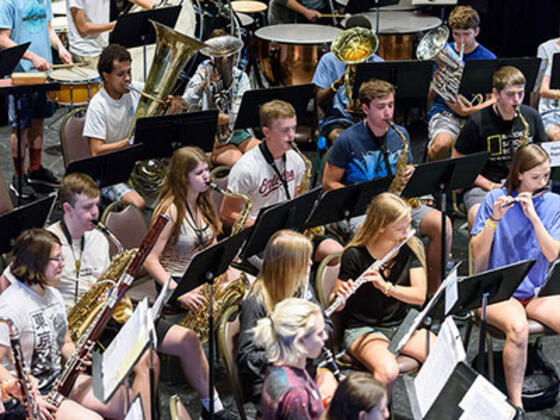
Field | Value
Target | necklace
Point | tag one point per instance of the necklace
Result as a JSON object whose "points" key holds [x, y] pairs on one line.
{"points": [[199, 232]]}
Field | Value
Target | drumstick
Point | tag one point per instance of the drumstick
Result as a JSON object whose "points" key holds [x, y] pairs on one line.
{"points": [[65, 66], [335, 15]]}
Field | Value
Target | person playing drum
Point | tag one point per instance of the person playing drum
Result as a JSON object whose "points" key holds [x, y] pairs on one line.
{"points": [[21, 23], [292, 11]]}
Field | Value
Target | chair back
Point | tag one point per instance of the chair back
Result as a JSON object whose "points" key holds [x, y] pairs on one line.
{"points": [[228, 334], [219, 176], [74, 144], [325, 279], [6, 204], [128, 224]]}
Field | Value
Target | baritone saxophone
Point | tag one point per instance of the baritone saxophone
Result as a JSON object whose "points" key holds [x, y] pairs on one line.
{"points": [[224, 293]]}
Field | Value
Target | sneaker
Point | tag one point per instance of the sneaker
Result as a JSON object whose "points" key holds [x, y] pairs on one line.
{"points": [[520, 414], [26, 191], [43, 176], [223, 414]]}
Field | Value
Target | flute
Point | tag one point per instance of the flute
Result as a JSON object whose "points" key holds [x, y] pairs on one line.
{"points": [[362, 279], [533, 195]]}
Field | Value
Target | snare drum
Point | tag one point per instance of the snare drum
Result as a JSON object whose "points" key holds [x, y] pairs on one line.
{"points": [[75, 88], [400, 32], [288, 54], [60, 26]]}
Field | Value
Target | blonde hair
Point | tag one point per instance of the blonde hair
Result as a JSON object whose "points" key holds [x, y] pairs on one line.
{"points": [[275, 110], [463, 17], [375, 89], [507, 75], [384, 209], [176, 187], [279, 334], [284, 269], [525, 158]]}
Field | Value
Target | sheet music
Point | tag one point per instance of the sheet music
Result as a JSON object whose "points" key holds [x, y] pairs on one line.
{"points": [[126, 347], [451, 292], [444, 356], [484, 401], [136, 411]]}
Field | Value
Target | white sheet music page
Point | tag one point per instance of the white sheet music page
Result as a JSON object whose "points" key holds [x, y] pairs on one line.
{"points": [[136, 411], [484, 401], [126, 347], [444, 356]]}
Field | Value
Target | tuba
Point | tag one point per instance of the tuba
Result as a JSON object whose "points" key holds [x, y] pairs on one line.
{"points": [[225, 294], [353, 46], [433, 46], [84, 312]]}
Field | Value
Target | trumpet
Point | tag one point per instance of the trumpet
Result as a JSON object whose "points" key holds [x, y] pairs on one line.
{"points": [[362, 279]]}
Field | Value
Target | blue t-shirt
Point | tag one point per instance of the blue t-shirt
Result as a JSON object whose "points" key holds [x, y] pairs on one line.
{"points": [[360, 154], [29, 22], [515, 240], [479, 53], [329, 70]]}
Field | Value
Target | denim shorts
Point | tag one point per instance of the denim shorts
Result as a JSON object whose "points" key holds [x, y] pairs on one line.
{"points": [[550, 119], [116, 192], [29, 106]]}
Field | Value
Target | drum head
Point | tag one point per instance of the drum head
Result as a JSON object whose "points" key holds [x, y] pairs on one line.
{"points": [[298, 33], [248, 6], [391, 22], [70, 75], [245, 20]]}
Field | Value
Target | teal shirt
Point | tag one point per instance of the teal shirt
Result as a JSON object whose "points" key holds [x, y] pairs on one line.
{"points": [[29, 22]]}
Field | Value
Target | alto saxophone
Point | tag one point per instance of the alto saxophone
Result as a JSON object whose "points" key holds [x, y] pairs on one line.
{"points": [[397, 185], [83, 312], [27, 398], [525, 136], [224, 293]]}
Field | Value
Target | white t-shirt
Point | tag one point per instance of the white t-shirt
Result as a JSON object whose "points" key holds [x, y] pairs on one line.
{"points": [[41, 322], [547, 50], [94, 260], [96, 11], [109, 119], [253, 176]]}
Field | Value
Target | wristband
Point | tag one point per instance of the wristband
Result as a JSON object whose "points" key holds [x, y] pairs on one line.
{"points": [[490, 223], [492, 185]]}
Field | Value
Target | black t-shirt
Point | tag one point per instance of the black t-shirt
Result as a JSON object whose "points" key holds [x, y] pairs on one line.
{"points": [[369, 305], [486, 131]]}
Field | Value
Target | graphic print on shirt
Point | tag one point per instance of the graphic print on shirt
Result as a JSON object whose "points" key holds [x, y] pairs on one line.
{"points": [[269, 185], [370, 166], [500, 148], [34, 17], [49, 327]]}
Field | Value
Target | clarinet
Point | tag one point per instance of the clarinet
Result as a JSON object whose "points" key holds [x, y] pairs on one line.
{"points": [[329, 363], [362, 279], [65, 381], [28, 401]]}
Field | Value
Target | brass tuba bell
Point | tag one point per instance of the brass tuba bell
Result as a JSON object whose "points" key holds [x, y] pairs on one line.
{"points": [[353, 46]]}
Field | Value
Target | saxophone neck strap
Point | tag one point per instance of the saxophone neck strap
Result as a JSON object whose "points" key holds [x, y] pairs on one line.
{"points": [[270, 160], [66, 233], [382, 141]]}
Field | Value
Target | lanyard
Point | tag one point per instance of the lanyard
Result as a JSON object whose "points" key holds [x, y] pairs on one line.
{"points": [[270, 160], [383, 146], [77, 261]]}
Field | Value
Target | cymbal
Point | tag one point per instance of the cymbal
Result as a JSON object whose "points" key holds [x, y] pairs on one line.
{"points": [[248, 6]]}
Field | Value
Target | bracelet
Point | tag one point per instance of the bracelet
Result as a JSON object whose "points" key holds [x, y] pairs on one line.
{"points": [[495, 220], [333, 87], [388, 287], [490, 223], [492, 185]]}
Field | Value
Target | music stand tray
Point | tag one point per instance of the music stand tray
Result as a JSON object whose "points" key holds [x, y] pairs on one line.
{"points": [[248, 115], [10, 57], [108, 168], [164, 134], [135, 30], [24, 217]]}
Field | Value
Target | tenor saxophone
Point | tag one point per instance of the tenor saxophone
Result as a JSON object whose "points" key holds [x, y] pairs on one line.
{"points": [[224, 293], [28, 400]]}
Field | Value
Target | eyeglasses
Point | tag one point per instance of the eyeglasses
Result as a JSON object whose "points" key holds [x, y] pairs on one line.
{"points": [[57, 259]]}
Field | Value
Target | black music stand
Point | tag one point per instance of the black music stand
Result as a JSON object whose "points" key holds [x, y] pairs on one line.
{"points": [[410, 78], [9, 59], [440, 178], [205, 266], [555, 72], [108, 168], [248, 115], [551, 286], [290, 214], [477, 74], [134, 29], [25, 217], [345, 203], [162, 135]]}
